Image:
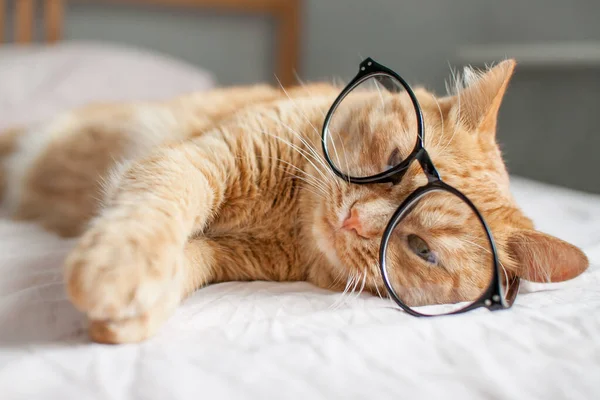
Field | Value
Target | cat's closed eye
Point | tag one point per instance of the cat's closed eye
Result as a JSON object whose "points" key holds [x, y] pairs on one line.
{"points": [[421, 249], [394, 159]]}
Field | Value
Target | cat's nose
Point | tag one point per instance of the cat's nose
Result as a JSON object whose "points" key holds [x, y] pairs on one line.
{"points": [[353, 221]]}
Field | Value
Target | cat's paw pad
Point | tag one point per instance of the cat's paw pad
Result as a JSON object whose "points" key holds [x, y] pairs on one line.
{"points": [[135, 329], [119, 272]]}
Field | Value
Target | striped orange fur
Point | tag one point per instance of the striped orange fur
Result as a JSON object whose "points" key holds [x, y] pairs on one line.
{"points": [[231, 185]]}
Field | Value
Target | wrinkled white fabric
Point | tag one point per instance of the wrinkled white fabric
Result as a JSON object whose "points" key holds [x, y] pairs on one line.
{"points": [[283, 340]]}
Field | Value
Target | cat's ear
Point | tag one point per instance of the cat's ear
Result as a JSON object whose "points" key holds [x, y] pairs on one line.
{"points": [[540, 257], [476, 104]]}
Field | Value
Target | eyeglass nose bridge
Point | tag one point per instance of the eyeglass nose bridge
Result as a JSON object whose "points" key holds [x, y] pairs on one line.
{"points": [[427, 166]]}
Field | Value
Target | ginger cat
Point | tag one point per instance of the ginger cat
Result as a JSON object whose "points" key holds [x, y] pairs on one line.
{"points": [[231, 185]]}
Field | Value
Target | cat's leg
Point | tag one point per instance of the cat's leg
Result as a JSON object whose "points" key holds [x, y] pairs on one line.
{"points": [[131, 263], [208, 260], [52, 172], [197, 270]]}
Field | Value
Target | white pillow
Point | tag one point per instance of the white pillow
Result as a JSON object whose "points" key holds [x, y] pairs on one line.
{"points": [[38, 81]]}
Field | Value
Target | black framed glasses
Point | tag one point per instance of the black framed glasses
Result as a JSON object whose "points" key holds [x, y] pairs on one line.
{"points": [[436, 249]]}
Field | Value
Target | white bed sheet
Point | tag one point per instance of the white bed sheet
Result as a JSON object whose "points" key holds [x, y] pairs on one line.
{"points": [[270, 341]]}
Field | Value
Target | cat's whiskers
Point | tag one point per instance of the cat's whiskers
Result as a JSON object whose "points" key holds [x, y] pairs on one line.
{"points": [[298, 108], [362, 286], [320, 192], [505, 272], [309, 179], [300, 151], [314, 154], [377, 276], [352, 277], [314, 192], [324, 115], [311, 149], [376, 287], [342, 298], [322, 185], [310, 146], [338, 157], [465, 239], [337, 279], [356, 282], [301, 82]]}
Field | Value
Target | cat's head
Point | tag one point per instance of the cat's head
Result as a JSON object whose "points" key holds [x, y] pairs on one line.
{"points": [[434, 246]]}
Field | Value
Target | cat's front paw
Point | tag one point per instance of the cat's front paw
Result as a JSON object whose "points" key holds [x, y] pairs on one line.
{"points": [[126, 279]]}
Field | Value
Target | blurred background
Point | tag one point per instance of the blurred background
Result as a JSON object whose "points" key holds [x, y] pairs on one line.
{"points": [[548, 125]]}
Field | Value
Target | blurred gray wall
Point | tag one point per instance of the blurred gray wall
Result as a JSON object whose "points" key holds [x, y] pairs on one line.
{"points": [[548, 123]]}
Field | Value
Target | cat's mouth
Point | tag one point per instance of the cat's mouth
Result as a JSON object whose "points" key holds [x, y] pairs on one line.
{"points": [[330, 231], [333, 228]]}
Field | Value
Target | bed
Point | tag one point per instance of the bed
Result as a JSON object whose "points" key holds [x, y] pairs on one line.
{"points": [[264, 340], [291, 340]]}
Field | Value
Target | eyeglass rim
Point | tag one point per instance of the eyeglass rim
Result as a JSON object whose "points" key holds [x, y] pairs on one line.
{"points": [[367, 69], [493, 298]]}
